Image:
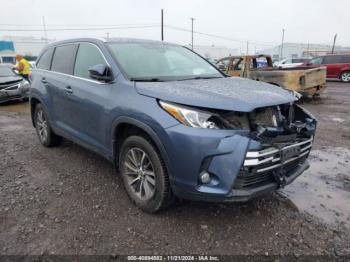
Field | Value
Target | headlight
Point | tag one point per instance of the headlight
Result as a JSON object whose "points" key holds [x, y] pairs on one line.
{"points": [[190, 116], [24, 84]]}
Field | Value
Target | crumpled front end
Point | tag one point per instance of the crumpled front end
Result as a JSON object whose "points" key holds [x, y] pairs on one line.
{"points": [[244, 164], [13, 91]]}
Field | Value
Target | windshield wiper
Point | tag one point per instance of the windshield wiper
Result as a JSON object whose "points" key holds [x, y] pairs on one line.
{"points": [[146, 79], [201, 77]]}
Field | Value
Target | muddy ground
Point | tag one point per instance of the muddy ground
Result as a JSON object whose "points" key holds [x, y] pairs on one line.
{"points": [[66, 200]]}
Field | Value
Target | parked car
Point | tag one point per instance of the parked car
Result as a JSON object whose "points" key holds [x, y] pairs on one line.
{"points": [[308, 81], [291, 62], [12, 85], [172, 124], [338, 66]]}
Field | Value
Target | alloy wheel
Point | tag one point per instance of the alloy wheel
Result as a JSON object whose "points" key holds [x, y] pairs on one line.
{"points": [[345, 77], [41, 123], [139, 173]]}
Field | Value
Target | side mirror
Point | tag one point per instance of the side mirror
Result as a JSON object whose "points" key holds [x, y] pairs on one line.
{"points": [[101, 72]]}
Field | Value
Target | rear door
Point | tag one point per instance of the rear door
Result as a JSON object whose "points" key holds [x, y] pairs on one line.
{"points": [[89, 98], [333, 65], [48, 83], [237, 67], [62, 67]]}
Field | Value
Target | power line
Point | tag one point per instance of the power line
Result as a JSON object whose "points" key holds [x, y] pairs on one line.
{"points": [[78, 29], [78, 25], [217, 36]]}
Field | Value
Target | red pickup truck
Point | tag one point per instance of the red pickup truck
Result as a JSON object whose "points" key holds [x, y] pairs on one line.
{"points": [[338, 66]]}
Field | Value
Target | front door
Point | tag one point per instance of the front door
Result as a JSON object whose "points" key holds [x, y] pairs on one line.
{"points": [[236, 67], [89, 98]]}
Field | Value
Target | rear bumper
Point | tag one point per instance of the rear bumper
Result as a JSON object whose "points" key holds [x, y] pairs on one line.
{"points": [[312, 91]]}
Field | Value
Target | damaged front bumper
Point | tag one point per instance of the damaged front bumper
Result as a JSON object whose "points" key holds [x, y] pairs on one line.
{"points": [[241, 166], [16, 91]]}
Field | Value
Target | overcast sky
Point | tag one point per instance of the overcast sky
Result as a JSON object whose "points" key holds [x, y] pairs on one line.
{"points": [[259, 21]]}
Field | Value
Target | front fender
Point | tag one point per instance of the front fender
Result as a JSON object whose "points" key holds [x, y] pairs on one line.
{"points": [[147, 129]]}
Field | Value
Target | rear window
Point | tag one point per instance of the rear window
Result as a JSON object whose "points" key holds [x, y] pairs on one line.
{"points": [[300, 60], [45, 60], [331, 59], [63, 58], [259, 62]]}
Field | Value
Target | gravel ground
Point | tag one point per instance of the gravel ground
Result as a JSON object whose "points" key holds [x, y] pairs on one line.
{"points": [[66, 200]]}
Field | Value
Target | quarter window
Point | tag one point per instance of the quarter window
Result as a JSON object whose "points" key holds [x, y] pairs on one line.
{"points": [[45, 60], [345, 59], [63, 58], [88, 55]]}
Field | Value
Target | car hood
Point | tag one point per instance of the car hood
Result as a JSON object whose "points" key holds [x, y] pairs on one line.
{"points": [[10, 79], [229, 93]]}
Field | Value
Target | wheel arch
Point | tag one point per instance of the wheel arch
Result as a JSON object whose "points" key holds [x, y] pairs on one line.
{"points": [[126, 126], [33, 102], [343, 71]]}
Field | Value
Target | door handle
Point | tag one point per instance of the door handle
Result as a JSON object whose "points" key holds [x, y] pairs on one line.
{"points": [[43, 80], [69, 90]]}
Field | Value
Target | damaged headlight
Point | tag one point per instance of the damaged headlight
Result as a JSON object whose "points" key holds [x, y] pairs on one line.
{"points": [[24, 84], [189, 116], [200, 118]]}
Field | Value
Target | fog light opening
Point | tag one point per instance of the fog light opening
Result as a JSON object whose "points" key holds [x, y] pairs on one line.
{"points": [[205, 177]]}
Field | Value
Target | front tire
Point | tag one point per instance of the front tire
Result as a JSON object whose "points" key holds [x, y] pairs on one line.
{"points": [[144, 174], [345, 77], [43, 129]]}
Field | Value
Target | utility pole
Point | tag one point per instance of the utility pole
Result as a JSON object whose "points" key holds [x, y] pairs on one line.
{"points": [[162, 26], [192, 19], [282, 44], [45, 32], [247, 48], [335, 38]]}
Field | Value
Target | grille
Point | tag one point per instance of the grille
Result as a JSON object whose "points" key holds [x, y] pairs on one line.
{"points": [[9, 87], [268, 117], [259, 165]]}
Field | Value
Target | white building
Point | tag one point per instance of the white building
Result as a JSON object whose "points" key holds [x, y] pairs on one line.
{"points": [[295, 50], [26, 45], [215, 52]]}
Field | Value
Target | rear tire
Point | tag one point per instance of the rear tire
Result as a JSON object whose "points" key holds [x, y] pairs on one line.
{"points": [[144, 174], [345, 77], [43, 129]]}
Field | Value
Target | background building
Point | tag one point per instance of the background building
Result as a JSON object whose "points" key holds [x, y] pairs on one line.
{"points": [[215, 52], [294, 50], [26, 45]]}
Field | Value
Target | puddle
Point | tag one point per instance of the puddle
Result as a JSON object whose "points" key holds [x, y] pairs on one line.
{"points": [[15, 107], [337, 119], [324, 190]]}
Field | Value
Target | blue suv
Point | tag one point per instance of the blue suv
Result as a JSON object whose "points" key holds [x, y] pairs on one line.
{"points": [[173, 125]]}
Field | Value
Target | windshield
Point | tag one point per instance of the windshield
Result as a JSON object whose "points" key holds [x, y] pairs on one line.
{"points": [[161, 62], [6, 71]]}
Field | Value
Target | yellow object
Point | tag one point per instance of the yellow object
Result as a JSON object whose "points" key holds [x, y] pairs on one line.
{"points": [[24, 67]]}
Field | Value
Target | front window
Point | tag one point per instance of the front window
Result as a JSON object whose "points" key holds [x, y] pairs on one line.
{"points": [[161, 62], [316, 61], [88, 55], [6, 71]]}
